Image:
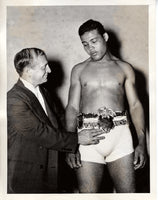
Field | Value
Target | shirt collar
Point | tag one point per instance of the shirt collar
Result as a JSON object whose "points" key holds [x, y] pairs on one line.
{"points": [[29, 86]]}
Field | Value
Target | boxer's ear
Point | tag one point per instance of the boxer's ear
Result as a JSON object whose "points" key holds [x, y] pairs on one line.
{"points": [[106, 36]]}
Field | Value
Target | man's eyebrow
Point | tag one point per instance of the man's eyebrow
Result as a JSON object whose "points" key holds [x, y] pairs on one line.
{"points": [[44, 65], [91, 39], [94, 38]]}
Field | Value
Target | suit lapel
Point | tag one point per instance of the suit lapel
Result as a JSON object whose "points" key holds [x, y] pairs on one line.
{"points": [[33, 103], [50, 111]]}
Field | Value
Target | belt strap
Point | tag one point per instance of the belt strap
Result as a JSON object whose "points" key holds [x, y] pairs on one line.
{"points": [[120, 113], [89, 115], [120, 122]]}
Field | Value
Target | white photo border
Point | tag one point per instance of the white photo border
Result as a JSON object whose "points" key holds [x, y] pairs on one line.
{"points": [[3, 88]]}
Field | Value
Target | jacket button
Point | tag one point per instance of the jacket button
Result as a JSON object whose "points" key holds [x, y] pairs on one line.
{"points": [[41, 147]]}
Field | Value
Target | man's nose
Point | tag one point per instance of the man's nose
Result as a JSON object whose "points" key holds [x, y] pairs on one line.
{"points": [[48, 69], [91, 47]]}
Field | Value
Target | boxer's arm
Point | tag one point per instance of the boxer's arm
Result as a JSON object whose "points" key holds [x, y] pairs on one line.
{"points": [[72, 110]]}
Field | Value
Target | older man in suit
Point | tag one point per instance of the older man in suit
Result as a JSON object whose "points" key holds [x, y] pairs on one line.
{"points": [[32, 126]]}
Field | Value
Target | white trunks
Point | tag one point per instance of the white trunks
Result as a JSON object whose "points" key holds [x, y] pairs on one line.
{"points": [[117, 143]]}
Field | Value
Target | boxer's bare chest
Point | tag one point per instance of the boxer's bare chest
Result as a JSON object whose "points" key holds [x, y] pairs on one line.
{"points": [[102, 75]]}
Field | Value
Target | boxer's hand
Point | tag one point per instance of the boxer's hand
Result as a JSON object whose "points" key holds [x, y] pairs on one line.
{"points": [[90, 136], [140, 157], [73, 160]]}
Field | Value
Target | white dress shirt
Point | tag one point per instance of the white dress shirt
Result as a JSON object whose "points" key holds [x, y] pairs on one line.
{"points": [[36, 92]]}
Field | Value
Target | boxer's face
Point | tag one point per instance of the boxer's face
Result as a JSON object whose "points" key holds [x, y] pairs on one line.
{"points": [[94, 44]]}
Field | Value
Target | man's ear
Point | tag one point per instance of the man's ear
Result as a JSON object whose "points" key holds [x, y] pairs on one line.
{"points": [[27, 70], [106, 36]]}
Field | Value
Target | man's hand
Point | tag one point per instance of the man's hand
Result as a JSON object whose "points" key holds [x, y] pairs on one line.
{"points": [[140, 157], [90, 136], [85, 137], [73, 160]]}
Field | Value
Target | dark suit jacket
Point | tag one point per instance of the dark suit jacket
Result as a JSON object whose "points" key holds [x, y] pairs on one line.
{"points": [[31, 133]]}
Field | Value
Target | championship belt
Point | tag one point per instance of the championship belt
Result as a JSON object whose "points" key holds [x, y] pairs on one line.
{"points": [[105, 119], [106, 116]]}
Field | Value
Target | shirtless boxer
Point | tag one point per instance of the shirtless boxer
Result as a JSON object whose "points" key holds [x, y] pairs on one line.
{"points": [[99, 87]]}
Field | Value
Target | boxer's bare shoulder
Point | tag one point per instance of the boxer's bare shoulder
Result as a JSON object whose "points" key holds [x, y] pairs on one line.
{"points": [[78, 69], [127, 69]]}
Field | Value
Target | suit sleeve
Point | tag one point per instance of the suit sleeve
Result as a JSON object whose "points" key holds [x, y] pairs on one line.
{"points": [[23, 122]]}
